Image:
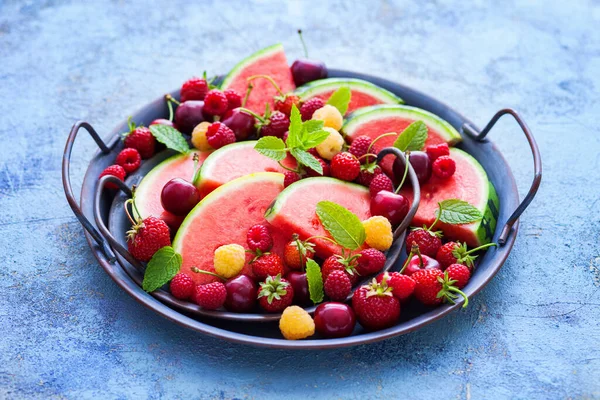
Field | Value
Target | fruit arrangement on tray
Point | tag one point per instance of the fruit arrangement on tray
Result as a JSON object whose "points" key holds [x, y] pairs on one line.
{"points": [[282, 201]]}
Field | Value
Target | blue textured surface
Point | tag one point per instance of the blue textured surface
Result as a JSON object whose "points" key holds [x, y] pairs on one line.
{"points": [[68, 331]]}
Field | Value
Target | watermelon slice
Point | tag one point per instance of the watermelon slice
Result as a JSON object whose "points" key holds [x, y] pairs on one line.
{"points": [[223, 217], [364, 93], [294, 210], [270, 61], [147, 194], [469, 183], [377, 120], [233, 161]]}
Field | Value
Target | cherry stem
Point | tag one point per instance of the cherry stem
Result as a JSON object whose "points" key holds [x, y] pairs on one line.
{"points": [[325, 238], [196, 166], [415, 249], [405, 173], [379, 137], [367, 155], [288, 168], [267, 77], [201, 271], [255, 115], [170, 105], [170, 98], [410, 256], [133, 223], [303, 44], [437, 217], [485, 246], [248, 90]]}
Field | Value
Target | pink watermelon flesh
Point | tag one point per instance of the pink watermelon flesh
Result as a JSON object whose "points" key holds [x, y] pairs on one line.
{"points": [[297, 213], [225, 218], [358, 100], [273, 64]]}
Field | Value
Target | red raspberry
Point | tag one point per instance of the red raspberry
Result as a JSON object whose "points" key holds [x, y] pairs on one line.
{"points": [[428, 242], [337, 286], [290, 177], [337, 263], [114, 170], [277, 125], [182, 286], [437, 150], [285, 103], [345, 166], [375, 306], [142, 140], [129, 159], [402, 285], [234, 99], [147, 237], [444, 167], [211, 296], [219, 135], [366, 175], [258, 237], [269, 264], [360, 147], [275, 294], [459, 273], [215, 103], [296, 252], [379, 183], [370, 262], [309, 107], [193, 89], [326, 168]]}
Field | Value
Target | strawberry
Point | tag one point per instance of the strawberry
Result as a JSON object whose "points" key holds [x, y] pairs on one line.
{"points": [[268, 264], [234, 99], [219, 135], [437, 150], [443, 167], [340, 263], [460, 273], [345, 166], [427, 241], [296, 252], [284, 103], [290, 177], [276, 124], [402, 286], [182, 286], [141, 139], [129, 159], [337, 286], [375, 306], [275, 294], [370, 262], [211, 296], [194, 89], [309, 107], [360, 147], [380, 182], [146, 237], [114, 170], [456, 253], [215, 103], [433, 286], [259, 239]]}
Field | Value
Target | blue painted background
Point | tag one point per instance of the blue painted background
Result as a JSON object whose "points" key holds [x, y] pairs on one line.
{"points": [[68, 331]]}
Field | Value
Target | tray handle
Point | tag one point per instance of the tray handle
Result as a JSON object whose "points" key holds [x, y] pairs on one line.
{"points": [[537, 164], [66, 180]]}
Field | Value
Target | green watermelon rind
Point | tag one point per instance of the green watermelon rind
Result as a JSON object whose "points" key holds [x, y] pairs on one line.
{"points": [[252, 59], [289, 191], [374, 113], [215, 157], [217, 195], [315, 88]]}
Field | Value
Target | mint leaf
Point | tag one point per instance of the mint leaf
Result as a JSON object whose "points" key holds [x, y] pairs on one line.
{"points": [[312, 125], [455, 211], [413, 137], [170, 137], [313, 139], [272, 147], [343, 225], [340, 99], [163, 266], [305, 158], [315, 281], [294, 138]]}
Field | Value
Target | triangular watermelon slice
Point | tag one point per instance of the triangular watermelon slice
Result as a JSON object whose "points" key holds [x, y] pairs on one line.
{"points": [[364, 94], [270, 61], [377, 120]]}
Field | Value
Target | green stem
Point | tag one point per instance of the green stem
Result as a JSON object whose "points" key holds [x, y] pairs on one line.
{"points": [[485, 246], [248, 90], [303, 44], [133, 223], [288, 168], [405, 173], [255, 115], [410, 255], [267, 77], [201, 271], [367, 155], [379, 137], [325, 238], [170, 98], [170, 105], [464, 296], [437, 217]]}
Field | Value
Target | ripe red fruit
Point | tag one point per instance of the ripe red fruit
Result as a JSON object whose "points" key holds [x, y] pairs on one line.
{"points": [[234, 99], [211, 296], [309, 107], [219, 135], [419, 262], [285, 103], [460, 274], [379, 183], [326, 168], [338, 263], [129, 159], [345, 166], [147, 237], [275, 294], [375, 306], [428, 242], [437, 150], [433, 286], [337, 285], [114, 170], [215, 103], [370, 262], [402, 286], [334, 320], [360, 147], [444, 167], [296, 252], [368, 172], [277, 125], [259, 238], [193, 89], [269, 264], [141, 139], [182, 286], [290, 177]]}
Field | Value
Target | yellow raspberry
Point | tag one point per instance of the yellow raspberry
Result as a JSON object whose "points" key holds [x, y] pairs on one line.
{"points": [[296, 323], [331, 117], [199, 136], [332, 145], [379, 232], [229, 260]]}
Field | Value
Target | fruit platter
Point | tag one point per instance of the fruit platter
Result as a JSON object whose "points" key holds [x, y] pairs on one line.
{"points": [[299, 206]]}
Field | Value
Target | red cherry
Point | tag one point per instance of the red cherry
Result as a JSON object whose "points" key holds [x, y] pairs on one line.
{"points": [[417, 263], [391, 205], [241, 294], [179, 196], [334, 320]]}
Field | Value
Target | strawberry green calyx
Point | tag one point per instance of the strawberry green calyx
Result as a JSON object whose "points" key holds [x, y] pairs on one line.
{"points": [[449, 292], [464, 255], [304, 248], [273, 288], [379, 288]]}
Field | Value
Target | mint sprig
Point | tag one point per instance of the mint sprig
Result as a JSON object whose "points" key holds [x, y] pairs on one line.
{"points": [[170, 137], [163, 266], [455, 211], [340, 99], [412, 138], [343, 225], [315, 281], [272, 147]]}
